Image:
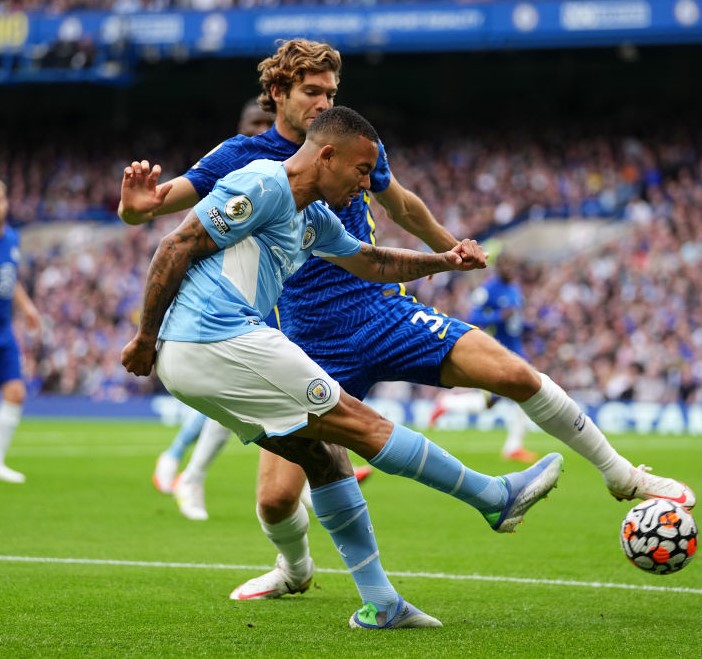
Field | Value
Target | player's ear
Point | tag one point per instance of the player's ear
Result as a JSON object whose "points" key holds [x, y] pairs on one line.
{"points": [[327, 153], [276, 94]]}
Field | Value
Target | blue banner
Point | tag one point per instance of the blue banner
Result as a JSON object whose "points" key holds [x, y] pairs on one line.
{"points": [[426, 27]]}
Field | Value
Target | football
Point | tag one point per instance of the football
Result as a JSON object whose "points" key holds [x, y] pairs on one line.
{"points": [[659, 537]]}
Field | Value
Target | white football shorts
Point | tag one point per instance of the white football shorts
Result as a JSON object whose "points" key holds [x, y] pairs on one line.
{"points": [[256, 384]]}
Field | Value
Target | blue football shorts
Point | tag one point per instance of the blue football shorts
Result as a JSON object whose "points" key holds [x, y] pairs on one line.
{"points": [[9, 360], [390, 337]]}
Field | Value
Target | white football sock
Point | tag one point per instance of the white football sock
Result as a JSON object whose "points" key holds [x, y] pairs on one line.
{"points": [[290, 539], [517, 426], [10, 415], [472, 402], [559, 415], [212, 439]]}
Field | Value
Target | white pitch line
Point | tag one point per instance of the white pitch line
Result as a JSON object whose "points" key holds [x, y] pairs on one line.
{"points": [[418, 575]]}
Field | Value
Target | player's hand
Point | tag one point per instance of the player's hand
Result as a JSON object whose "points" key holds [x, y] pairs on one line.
{"points": [[142, 196], [32, 318], [469, 255], [139, 355]]}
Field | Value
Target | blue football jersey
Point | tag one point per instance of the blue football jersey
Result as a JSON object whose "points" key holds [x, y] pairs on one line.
{"points": [[252, 217], [9, 262], [490, 302]]}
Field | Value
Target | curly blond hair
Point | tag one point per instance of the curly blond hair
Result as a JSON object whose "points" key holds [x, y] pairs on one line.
{"points": [[291, 62]]}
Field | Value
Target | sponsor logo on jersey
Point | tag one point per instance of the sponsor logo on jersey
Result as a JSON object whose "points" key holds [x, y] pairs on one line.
{"points": [[264, 189], [218, 220], [239, 208], [309, 237], [318, 391]]}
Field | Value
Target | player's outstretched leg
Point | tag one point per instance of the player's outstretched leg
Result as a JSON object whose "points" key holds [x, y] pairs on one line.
{"points": [[525, 489], [559, 415], [640, 484], [502, 500]]}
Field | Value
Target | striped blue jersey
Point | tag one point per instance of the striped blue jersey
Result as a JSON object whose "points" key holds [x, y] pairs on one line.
{"points": [[252, 217], [9, 262], [319, 291], [498, 309]]}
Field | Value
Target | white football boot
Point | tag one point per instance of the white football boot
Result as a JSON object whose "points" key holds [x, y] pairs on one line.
{"points": [[8, 475], [165, 473], [641, 484], [190, 497], [273, 584]]}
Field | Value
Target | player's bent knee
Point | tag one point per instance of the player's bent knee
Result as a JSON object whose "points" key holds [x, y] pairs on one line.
{"points": [[273, 509]]}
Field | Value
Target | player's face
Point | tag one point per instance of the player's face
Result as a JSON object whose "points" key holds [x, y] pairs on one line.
{"points": [[348, 172], [296, 110], [254, 121]]}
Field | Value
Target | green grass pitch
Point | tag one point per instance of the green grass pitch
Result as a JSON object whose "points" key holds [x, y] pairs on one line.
{"points": [[95, 563]]}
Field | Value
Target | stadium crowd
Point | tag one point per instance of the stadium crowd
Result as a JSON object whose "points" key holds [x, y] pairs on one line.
{"points": [[631, 307]]}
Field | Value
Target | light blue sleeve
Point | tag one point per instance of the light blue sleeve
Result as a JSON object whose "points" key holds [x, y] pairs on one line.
{"points": [[332, 239], [236, 208]]}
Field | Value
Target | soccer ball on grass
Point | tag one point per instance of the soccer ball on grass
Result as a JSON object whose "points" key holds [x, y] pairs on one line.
{"points": [[659, 536]]}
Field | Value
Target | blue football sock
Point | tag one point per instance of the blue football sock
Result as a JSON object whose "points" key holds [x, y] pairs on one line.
{"points": [[408, 453], [342, 511], [188, 433]]}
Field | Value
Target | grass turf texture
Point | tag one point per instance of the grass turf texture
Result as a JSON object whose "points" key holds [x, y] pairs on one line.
{"points": [[89, 497]]}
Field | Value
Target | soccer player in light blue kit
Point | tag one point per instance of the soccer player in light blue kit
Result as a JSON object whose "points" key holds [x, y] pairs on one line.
{"points": [[252, 121], [11, 293], [361, 332], [216, 277], [498, 309]]}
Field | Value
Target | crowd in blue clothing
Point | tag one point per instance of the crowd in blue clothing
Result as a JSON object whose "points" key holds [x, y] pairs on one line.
{"points": [[621, 323]]}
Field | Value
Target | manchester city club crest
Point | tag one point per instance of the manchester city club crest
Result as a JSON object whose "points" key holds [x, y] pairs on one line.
{"points": [[239, 208], [309, 237], [318, 391]]}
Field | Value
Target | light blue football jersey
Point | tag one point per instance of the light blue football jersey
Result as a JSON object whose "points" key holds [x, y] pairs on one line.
{"points": [[263, 239]]}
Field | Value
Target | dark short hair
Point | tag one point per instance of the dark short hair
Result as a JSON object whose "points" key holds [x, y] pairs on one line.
{"points": [[342, 121]]}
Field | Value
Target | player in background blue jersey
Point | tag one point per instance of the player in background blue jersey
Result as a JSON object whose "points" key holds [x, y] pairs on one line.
{"points": [[12, 294], [498, 309], [216, 277], [359, 332]]}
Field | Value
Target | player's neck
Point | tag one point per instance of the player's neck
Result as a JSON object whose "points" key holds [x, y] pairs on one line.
{"points": [[301, 171], [288, 132]]}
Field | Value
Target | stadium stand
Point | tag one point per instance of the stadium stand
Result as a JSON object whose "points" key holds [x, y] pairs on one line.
{"points": [[622, 301]]}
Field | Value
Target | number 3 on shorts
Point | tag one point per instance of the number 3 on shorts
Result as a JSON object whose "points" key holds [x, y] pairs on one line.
{"points": [[437, 322]]}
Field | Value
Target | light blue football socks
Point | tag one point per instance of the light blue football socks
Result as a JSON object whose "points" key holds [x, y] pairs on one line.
{"points": [[342, 511], [410, 454], [187, 435]]}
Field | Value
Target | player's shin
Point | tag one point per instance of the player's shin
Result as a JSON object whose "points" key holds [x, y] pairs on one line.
{"points": [[559, 415], [408, 453], [342, 511], [290, 539]]}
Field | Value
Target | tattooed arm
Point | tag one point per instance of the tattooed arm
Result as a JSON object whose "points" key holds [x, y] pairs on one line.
{"points": [[388, 265], [166, 272]]}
